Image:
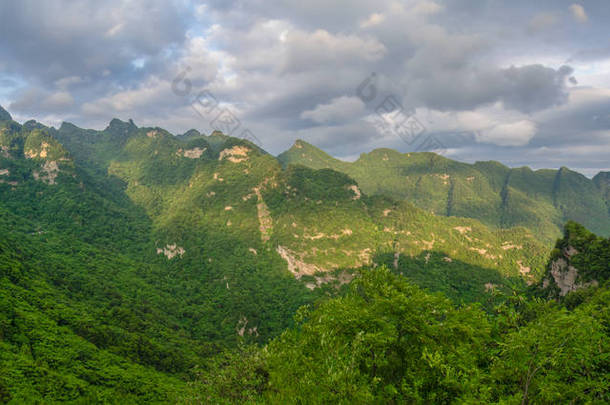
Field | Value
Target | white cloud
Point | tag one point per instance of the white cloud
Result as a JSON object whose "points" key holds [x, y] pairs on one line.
{"points": [[489, 125], [340, 109], [58, 101], [510, 134], [66, 82], [542, 21], [306, 50], [290, 69], [426, 7], [372, 20], [34, 100], [579, 13]]}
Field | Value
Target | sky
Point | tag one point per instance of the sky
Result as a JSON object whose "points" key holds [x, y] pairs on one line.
{"points": [[521, 82]]}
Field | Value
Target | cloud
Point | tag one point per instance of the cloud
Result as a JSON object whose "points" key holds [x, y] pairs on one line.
{"points": [[305, 51], [578, 12], [426, 7], [340, 109], [60, 38], [34, 100], [511, 134], [58, 101], [542, 22], [526, 88], [290, 69], [66, 82], [372, 20], [535, 87], [489, 125]]}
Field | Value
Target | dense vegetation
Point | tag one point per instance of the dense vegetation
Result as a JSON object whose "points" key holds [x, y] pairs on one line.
{"points": [[136, 266], [89, 310], [387, 341], [541, 200]]}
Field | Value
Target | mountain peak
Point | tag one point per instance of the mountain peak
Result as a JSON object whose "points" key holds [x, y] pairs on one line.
{"points": [[33, 124], [191, 133], [602, 175], [301, 151], [218, 133], [119, 127], [4, 115], [300, 144]]}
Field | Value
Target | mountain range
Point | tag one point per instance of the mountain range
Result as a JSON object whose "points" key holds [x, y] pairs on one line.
{"points": [[131, 256], [499, 196]]}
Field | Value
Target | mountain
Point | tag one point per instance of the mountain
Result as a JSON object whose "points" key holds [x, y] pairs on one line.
{"points": [[498, 196], [132, 260], [4, 115], [98, 303], [602, 181], [316, 221]]}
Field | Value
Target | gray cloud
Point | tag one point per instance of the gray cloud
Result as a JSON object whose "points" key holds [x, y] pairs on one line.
{"points": [[340, 109], [55, 39], [289, 69], [535, 87]]}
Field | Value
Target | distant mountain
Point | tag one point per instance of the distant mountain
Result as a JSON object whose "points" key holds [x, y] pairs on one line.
{"points": [[541, 200], [225, 183], [602, 181], [4, 115]]}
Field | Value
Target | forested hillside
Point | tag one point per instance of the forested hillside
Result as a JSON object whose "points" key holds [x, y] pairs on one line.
{"points": [[137, 266], [387, 341], [541, 200]]}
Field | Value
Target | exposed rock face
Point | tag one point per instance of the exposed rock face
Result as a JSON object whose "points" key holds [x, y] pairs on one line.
{"points": [[236, 154], [242, 328], [343, 278], [194, 153], [296, 266], [523, 270], [42, 153], [564, 275], [509, 245], [171, 251], [4, 173], [463, 229], [264, 217], [49, 172]]}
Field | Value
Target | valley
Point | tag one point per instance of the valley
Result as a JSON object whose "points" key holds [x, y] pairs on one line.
{"points": [[140, 266]]}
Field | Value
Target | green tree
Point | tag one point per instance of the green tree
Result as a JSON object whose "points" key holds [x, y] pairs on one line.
{"points": [[386, 341], [558, 358]]}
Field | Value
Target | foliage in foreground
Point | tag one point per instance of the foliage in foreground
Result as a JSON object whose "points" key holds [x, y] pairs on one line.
{"points": [[387, 341]]}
